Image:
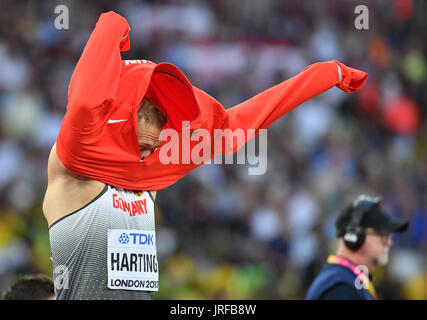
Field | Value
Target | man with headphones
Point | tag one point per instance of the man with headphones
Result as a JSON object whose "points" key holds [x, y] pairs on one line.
{"points": [[364, 233]]}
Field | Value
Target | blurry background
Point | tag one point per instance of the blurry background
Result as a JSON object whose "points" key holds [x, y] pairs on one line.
{"points": [[221, 233]]}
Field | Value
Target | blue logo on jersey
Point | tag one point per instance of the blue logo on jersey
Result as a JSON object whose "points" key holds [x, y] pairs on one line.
{"points": [[124, 238]]}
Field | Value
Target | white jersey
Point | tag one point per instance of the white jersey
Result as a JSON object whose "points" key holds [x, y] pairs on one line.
{"points": [[107, 249]]}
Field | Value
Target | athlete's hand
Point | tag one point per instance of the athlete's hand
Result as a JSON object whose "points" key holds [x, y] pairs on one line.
{"points": [[350, 79]]}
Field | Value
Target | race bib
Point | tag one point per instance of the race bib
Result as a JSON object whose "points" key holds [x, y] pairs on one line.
{"points": [[132, 260]]}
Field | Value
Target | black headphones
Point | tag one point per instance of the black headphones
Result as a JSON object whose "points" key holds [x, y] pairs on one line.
{"points": [[355, 233]]}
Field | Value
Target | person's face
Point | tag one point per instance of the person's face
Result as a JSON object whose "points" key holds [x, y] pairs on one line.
{"points": [[148, 137], [377, 246]]}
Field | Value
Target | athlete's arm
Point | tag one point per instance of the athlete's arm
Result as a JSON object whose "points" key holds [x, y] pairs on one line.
{"points": [[93, 85], [66, 191], [262, 110], [96, 77]]}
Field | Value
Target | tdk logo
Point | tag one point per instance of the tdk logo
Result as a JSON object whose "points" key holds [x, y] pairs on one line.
{"points": [[137, 238], [124, 238]]}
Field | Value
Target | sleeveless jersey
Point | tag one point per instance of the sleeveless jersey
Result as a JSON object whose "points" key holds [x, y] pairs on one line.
{"points": [[106, 249]]}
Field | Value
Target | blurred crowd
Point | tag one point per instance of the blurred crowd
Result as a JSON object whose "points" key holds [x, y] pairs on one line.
{"points": [[222, 233]]}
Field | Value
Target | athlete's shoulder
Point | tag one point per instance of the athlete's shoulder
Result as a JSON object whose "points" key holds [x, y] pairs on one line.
{"points": [[57, 170]]}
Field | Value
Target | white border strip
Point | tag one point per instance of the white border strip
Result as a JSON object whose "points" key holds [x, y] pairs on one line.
{"points": [[339, 72]]}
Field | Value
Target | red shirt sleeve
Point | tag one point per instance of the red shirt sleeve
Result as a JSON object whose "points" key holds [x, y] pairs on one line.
{"points": [[262, 110], [96, 77]]}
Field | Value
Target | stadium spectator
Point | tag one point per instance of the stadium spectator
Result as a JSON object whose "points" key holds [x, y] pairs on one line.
{"points": [[364, 234], [31, 287]]}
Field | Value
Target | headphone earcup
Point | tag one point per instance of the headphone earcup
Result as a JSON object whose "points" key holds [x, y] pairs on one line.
{"points": [[354, 238]]}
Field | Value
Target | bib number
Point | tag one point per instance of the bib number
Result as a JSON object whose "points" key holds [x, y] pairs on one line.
{"points": [[132, 260]]}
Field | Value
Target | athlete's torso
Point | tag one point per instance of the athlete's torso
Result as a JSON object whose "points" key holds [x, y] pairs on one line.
{"points": [[107, 249]]}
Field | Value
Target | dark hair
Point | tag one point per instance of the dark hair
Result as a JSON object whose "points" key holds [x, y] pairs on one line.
{"points": [[31, 287], [151, 113]]}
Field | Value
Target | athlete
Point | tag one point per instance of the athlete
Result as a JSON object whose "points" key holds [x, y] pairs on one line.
{"points": [[105, 168], [90, 222]]}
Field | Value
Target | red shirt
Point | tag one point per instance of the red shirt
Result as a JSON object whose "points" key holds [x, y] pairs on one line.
{"points": [[104, 89]]}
